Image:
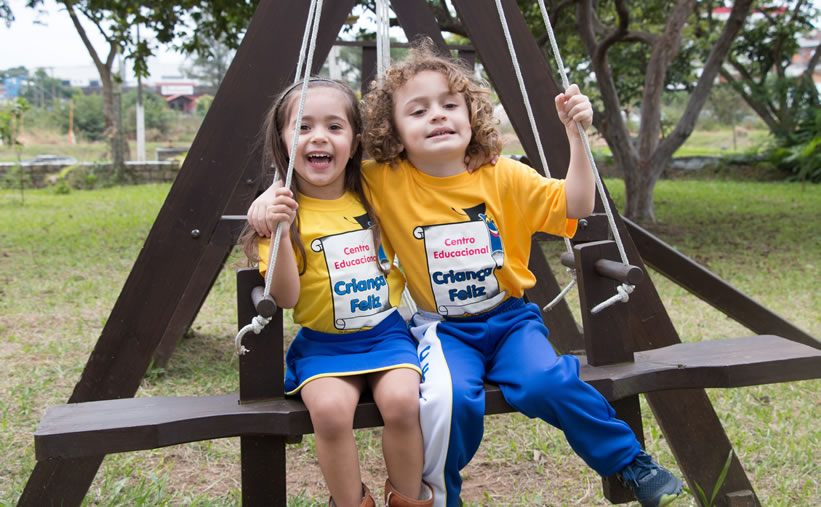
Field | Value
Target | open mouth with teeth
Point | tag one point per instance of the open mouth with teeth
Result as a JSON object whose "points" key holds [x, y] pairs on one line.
{"points": [[440, 132], [319, 160]]}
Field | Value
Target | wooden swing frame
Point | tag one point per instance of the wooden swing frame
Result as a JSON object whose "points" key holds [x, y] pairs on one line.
{"points": [[630, 349]]}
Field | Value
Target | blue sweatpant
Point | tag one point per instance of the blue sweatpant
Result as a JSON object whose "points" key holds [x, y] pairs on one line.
{"points": [[507, 346]]}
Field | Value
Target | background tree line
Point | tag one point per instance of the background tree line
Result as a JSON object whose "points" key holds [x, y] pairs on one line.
{"points": [[630, 57]]}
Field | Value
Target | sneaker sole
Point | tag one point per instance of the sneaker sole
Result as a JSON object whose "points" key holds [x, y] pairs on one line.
{"points": [[668, 499]]}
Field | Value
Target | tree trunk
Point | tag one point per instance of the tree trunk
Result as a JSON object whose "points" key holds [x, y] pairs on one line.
{"points": [[111, 105], [639, 184], [117, 137], [642, 163]]}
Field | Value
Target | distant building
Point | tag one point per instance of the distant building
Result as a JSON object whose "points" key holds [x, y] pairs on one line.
{"points": [[179, 95], [10, 88], [183, 103]]}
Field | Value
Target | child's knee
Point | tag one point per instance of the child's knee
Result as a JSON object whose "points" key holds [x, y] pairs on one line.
{"points": [[400, 406], [331, 415]]}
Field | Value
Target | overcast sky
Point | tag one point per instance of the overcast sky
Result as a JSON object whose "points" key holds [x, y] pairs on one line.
{"points": [[48, 39]]}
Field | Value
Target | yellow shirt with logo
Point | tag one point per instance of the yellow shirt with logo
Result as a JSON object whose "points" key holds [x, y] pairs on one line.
{"points": [[464, 241], [342, 288]]}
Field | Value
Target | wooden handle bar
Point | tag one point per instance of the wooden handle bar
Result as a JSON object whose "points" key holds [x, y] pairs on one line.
{"points": [[569, 260], [264, 303], [624, 273]]}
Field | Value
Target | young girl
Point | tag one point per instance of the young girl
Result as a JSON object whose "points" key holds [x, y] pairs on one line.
{"points": [[328, 270], [464, 243]]}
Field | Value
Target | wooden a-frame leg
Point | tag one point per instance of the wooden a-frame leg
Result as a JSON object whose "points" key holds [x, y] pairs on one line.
{"points": [[261, 377], [263, 471]]}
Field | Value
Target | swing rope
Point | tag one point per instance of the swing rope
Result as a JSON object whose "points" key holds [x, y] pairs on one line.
{"points": [[526, 99], [383, 41], [625, 289], [259, 322]]}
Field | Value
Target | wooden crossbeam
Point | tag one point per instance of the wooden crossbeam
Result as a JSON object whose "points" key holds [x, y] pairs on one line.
{"points": [[708, 287], [109, 426]]}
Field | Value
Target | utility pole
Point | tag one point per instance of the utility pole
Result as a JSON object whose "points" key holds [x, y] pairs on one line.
{"points": [[140, 120]]}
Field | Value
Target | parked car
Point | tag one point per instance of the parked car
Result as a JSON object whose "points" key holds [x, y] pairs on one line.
{"points": [[50, 160]]}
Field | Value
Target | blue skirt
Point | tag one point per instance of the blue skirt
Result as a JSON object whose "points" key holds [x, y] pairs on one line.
{"points": [[313, 354]]}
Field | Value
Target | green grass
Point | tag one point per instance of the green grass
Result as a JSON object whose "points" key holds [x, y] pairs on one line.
{"points": [[64, 259]]}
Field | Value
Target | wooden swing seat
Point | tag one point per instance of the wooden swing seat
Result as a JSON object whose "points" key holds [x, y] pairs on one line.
{"points": [[130, 424]]}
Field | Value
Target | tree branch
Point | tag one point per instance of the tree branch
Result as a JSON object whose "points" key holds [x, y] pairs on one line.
{"points": [[760, 109], [610, 123], [712, 66], [664, 51]]}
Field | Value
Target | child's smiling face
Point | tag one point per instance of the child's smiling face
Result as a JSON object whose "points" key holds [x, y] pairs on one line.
{"points": [[433, 123], [326, 142]]}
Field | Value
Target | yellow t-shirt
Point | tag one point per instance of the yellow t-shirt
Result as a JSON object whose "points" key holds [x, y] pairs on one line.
{"points": [[342, 288], [464, 241]]}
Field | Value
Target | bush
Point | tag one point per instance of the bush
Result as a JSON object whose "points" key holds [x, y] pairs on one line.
{"points": [[204, 104], [800, 154], [157, 115], [16, 177], [88, 116]]}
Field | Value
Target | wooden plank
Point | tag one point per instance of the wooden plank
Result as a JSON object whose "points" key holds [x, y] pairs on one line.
{"points": [[606, 334], [262, 369], [261, 377], [263, 485], [189, 306], [711, 289], [687, 416], [606, 341], [221, 157], [109, 426], [725, 363], [417, 20]]}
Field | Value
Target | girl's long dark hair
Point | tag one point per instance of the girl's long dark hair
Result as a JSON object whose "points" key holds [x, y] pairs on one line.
{"points": [[275, 161]]}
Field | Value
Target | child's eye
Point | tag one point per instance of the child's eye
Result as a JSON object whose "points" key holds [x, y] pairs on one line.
{"points": [[335, 127], [451, 106], [417, 112], [304, 127]]}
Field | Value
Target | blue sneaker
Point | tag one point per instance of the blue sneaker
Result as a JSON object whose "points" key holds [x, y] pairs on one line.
{"points": [[652, 484]]}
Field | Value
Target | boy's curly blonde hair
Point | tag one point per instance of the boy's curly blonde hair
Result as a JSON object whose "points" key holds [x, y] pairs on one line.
{"points": [[381, 138]]}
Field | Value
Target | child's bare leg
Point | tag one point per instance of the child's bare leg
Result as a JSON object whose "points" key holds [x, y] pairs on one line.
{"points": [[331, 401], [396, 393]]}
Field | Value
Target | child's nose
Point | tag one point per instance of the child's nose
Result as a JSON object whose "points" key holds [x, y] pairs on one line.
{"points": [[319, 136]]}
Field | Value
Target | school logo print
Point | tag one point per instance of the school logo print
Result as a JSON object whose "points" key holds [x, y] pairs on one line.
{"points": [[359, 289], [462, 258]]}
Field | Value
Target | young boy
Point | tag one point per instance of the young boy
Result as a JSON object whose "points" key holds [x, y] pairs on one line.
{"points": [[464, 242]]}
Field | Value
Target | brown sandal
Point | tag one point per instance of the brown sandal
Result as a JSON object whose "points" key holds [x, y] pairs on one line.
{"points": [[394, 498], [367, 499]]}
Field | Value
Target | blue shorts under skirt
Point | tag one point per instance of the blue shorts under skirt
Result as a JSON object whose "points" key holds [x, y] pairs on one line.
{"points": [[313, 354]]}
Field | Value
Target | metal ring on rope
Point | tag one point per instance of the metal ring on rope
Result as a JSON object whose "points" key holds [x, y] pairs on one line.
{"points": [[622, 295]]}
